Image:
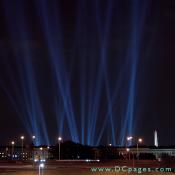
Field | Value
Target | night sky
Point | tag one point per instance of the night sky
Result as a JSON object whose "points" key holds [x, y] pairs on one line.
{"points": [[91, 71]]}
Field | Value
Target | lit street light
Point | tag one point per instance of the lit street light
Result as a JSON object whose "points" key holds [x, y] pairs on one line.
{"points": [[129, 138], [33, 138], [41, 166], [22, 140], [12, 143], [140, 140], [128, 151], [42, 154], [59, 141]]}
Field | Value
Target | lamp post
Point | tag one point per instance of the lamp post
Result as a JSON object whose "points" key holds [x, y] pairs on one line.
{"points": [[128, 151], [22, 140], [41, 156], [140, 140], [12, 143], [41, 166], [128, 139], [48, 155], [59, 141], [33, 139]]}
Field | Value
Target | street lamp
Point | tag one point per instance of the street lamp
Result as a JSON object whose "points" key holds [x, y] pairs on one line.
{"points": [[41, 166], [128, 151], [140, 140], [42, 154], [33, 138], [128, 139], [12, 143], [22, 140], [59, 141]]}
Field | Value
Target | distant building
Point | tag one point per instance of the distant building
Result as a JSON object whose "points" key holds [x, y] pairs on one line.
{"points": [[29, 153], [157, 152], [122, 152], [9, 153], [41, 153]]}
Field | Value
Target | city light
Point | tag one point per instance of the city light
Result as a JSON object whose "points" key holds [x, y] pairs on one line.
{"points": [[127, 149], [129, 138], [140, 140], [12, 151], [59, 139], [22, 137], [41, 165]]}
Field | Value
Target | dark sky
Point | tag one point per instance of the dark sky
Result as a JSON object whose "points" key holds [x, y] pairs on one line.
{"points": [[81, 68]]}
